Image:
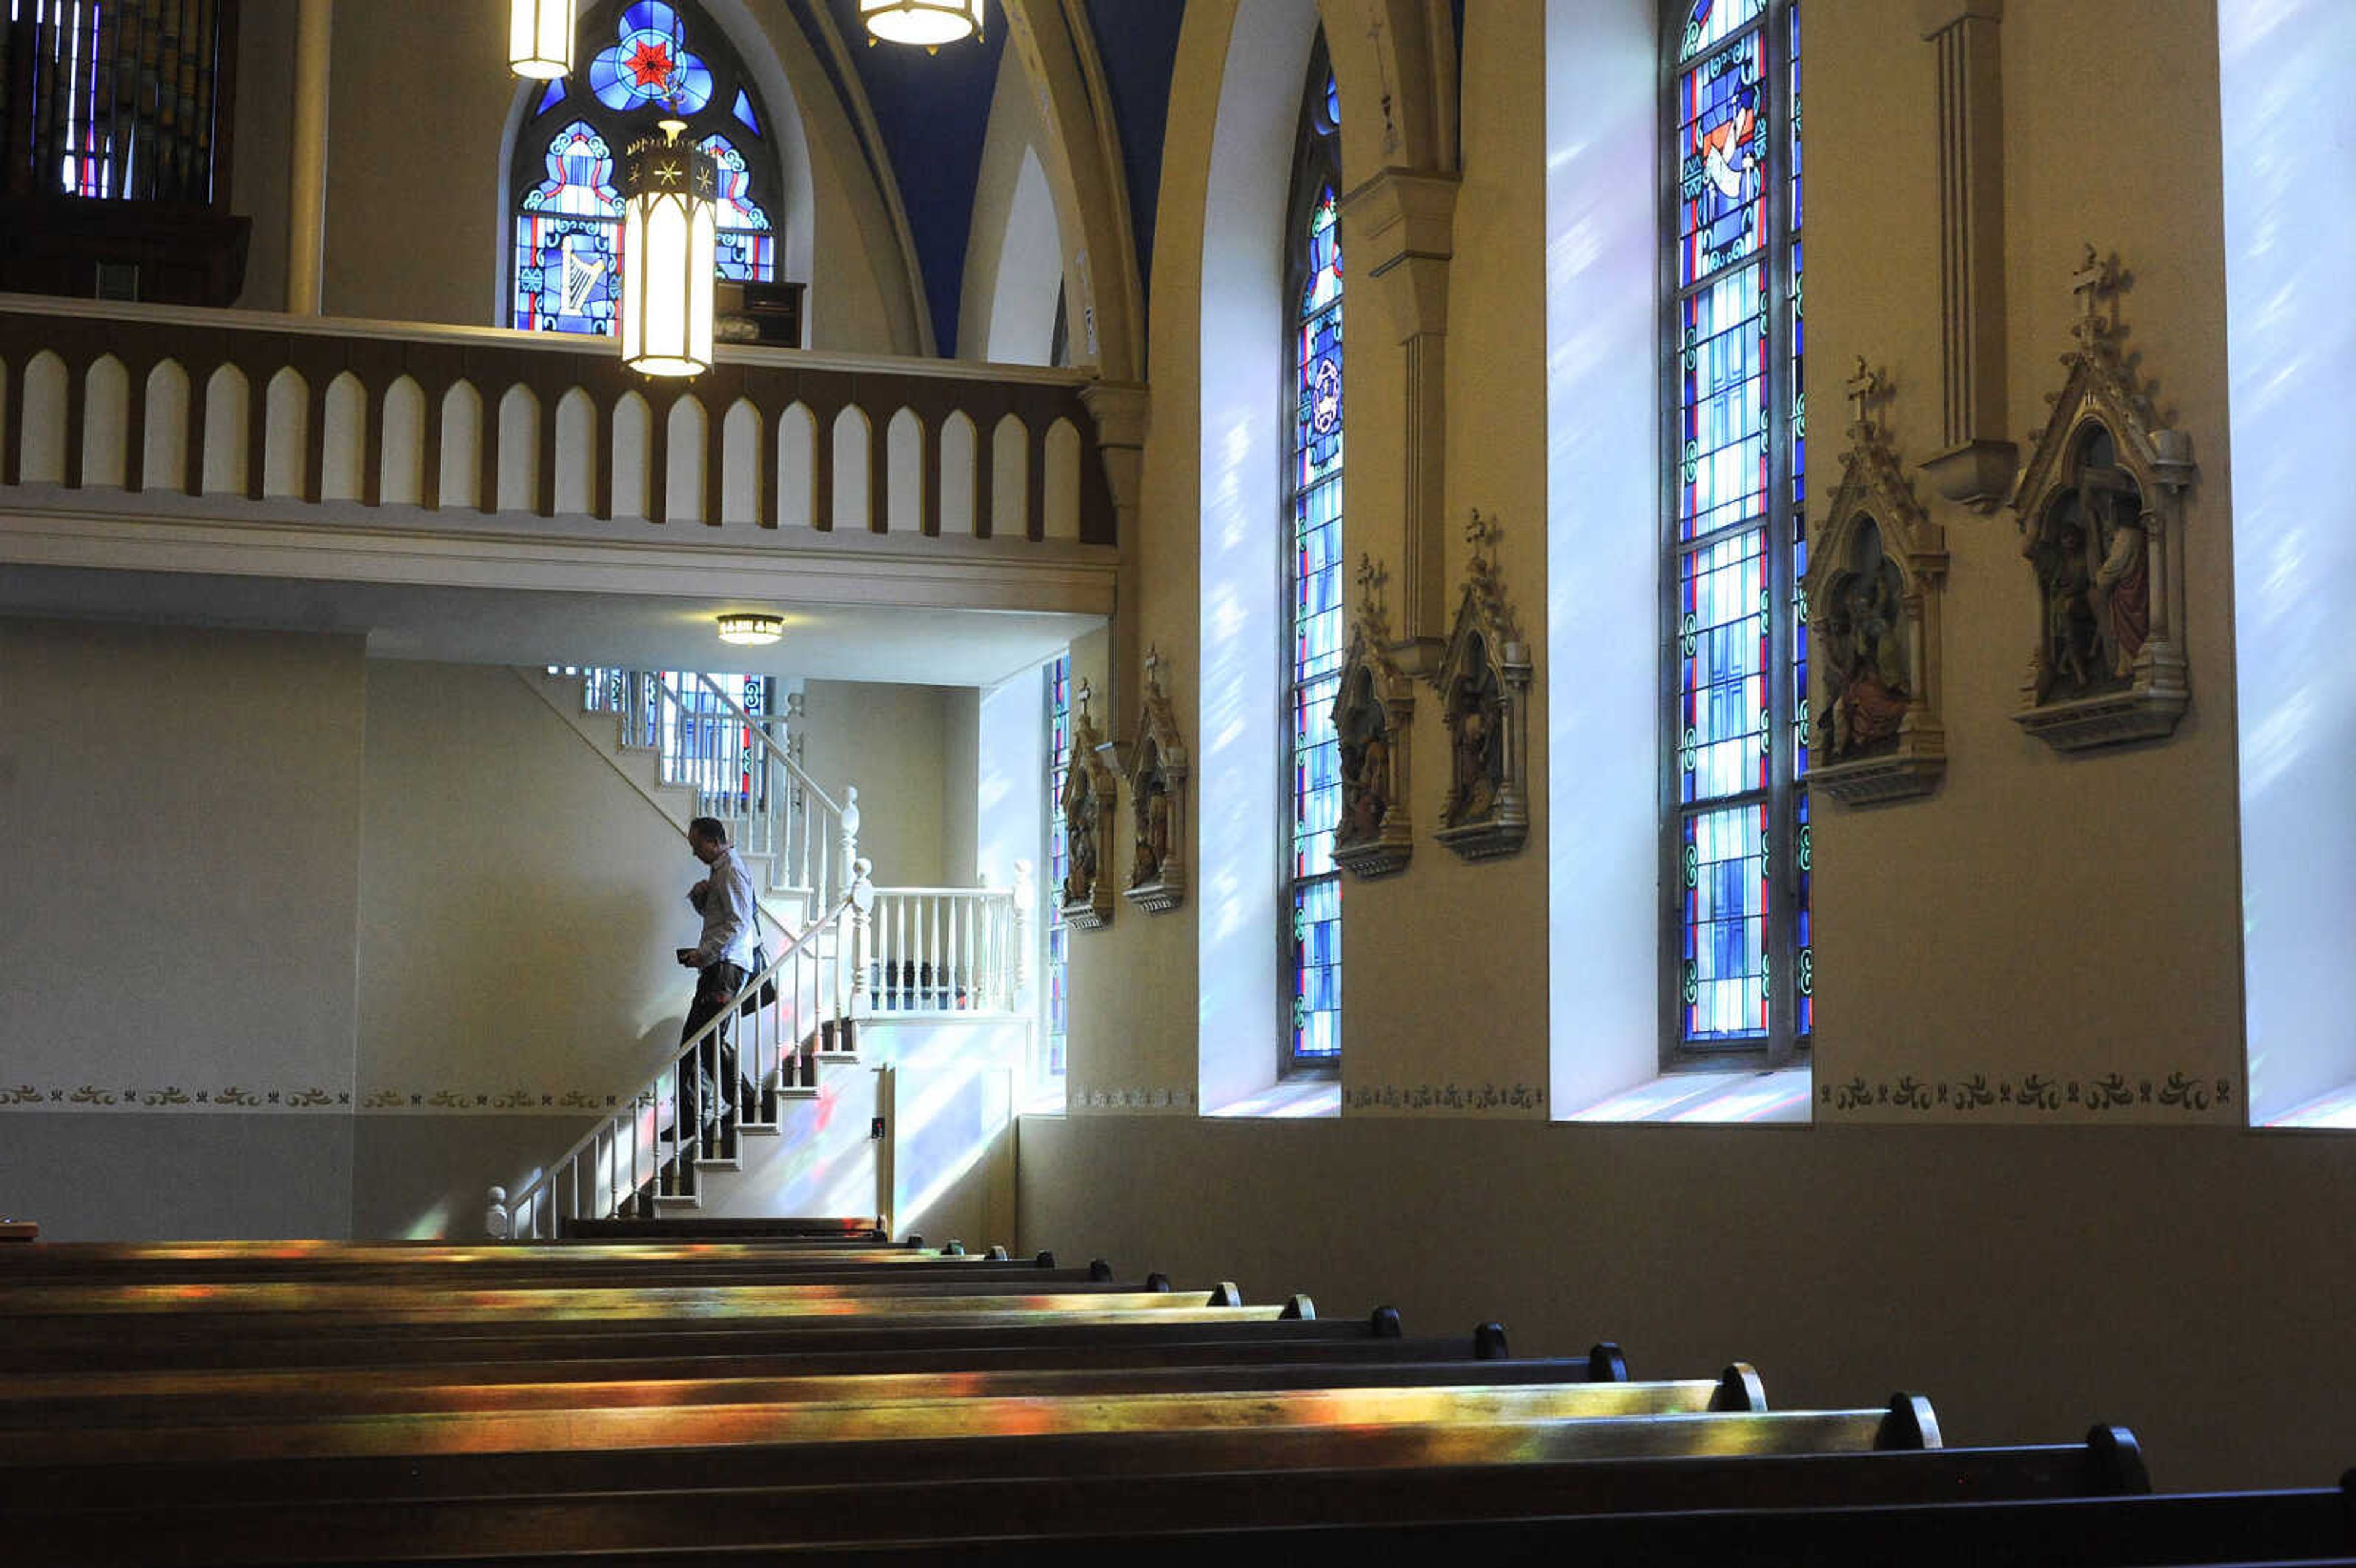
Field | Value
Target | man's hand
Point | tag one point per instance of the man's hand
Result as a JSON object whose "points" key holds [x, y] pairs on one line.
{"points": [[687, 958]]}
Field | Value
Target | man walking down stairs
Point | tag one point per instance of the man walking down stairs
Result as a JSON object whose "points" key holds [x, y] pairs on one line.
{"points": [[723, 963]]}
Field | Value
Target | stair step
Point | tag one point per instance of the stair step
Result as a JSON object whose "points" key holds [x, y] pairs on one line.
{"points": [[668, 1202]]}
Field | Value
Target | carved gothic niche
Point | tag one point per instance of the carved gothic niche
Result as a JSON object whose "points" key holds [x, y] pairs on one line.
{"points": [[1372, 718], [1157, 800], [1876, 572], [1089, 806], [2100, 510], [1483, 681]]}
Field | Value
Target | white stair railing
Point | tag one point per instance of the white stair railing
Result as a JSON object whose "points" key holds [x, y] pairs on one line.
{"points": [[739, 771], [737, 1070], [946, 950]]}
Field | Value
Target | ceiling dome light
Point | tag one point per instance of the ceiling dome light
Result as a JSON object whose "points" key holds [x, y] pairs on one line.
{"points": [[540, 38], [670, 232], [930, 23], [752, 631]]}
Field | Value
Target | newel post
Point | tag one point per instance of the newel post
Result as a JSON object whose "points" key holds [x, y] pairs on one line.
{"points": [[850, 846], [1023, 893], [863, 900], [497, 1224]]}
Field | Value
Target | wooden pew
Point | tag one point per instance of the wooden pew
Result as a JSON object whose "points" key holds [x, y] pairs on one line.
{"points": [[942, 1413], [1290, 1331], [42, 1403]]}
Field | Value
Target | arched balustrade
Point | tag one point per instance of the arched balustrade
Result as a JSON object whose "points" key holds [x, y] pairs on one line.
{"points": [[462, 419]]}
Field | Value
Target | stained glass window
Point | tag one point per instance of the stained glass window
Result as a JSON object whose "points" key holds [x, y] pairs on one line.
{"points": [[1313, 572], [648, 61], [1058, 680], [1737, 655]]}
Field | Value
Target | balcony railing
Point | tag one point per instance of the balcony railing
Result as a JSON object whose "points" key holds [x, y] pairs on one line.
{"points": [[770, 444]]}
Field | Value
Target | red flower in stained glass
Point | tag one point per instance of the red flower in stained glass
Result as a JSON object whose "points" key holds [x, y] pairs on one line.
{"points": [[650, 64]]}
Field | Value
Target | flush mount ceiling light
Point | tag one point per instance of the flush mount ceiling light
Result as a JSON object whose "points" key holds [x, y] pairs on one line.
{"points": [[540, 38], [752, 631], [930, 23]]}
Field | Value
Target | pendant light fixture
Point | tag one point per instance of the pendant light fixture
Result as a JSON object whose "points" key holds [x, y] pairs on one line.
{"points": [[670, 235], [930, 23], [540, 38]]}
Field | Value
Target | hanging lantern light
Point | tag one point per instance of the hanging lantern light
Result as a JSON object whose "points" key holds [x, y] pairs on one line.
{"points": [[540, 38], [670, 234], [930, 23]]}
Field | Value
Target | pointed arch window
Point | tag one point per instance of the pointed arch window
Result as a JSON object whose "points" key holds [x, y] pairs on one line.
{"points": [[1735, 825], [1312, 570], [649, 60]]}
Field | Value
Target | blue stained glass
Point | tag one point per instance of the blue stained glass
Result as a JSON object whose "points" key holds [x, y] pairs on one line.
{"points": [[551, 99], [568, 239], [1317, 970], [745, 115], [747, 250], [1720, 193], [1317, 627], [1722, 660], [1723, 478], [650, 64], [1709, 21], [1725, 924], [1059, 860]]}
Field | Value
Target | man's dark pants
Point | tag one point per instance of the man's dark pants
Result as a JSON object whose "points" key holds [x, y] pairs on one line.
{"points": [[715, 991]]}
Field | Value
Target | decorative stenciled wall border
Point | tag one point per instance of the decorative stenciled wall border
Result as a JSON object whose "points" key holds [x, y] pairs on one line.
{"points": [[1443, 1097], [1081, 1099], [170, 1097], [309, 1098], [2046, 1094]]}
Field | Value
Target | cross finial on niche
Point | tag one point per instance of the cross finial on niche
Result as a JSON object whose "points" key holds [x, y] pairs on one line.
{"points": [[2096, 279], [1370, 576], [1153, 664], [1084, 693], [1480, 532], [1867, 387]]}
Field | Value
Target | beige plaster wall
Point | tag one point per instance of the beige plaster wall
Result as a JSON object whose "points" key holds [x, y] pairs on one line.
{"points": [[2031, 1281], [1014, 132], [520, 903], [179, 830], [2072, 917], [415, 228], [892, 743]]}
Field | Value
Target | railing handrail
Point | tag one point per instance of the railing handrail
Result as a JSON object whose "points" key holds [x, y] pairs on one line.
{"points": [[977, 894], [281, 323], [769, 742], [530, 1191]]}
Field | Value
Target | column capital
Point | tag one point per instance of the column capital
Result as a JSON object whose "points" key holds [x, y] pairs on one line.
{"points": [[1938, 16], [1404, 222]]}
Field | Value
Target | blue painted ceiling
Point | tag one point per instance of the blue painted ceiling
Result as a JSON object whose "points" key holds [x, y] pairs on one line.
{"points": [[932, 111]]}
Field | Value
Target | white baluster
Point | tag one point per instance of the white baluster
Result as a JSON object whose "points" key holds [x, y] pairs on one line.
{"points": [[496, 1219], [863, 900]]}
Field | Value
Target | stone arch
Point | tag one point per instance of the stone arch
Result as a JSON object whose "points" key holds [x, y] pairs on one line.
{"points": [[1010, 479], [959, 476], [402, 479], [798, 467], [903, 474], [41, 452], [460, 481], [227, 400], [105, 422], [854, 449], [344, 442], [286, 433], [164, 449], [576, 455], [634, 425], [740, 464]]}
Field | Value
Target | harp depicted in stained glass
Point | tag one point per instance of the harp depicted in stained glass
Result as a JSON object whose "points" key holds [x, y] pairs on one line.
{"points": [[650, 60]]}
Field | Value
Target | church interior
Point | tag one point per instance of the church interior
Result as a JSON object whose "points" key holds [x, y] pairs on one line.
{"points": [[1606, 853]]}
